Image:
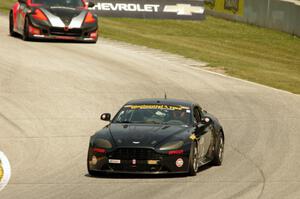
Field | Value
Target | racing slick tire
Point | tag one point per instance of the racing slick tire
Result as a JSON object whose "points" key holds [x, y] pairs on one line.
{"points": [[91, 172], [219, 149], [25, 35], [11, 25], [193, 160]]}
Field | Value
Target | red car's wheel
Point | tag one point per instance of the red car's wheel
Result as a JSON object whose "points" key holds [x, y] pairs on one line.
{"points": [[11, 25], [25, 30]]}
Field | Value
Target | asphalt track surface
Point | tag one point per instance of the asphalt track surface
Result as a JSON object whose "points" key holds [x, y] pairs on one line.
{"points": [[51, 96]]}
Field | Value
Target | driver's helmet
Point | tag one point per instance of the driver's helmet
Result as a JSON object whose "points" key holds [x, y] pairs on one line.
{"points": [[179, 115]]}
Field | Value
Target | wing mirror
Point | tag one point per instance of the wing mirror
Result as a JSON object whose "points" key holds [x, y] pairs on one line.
{"points": [[105, 116], [206, 121], [91, 4]]}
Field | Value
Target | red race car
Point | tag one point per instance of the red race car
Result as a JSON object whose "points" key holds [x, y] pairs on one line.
{"points": [[53, 19]]}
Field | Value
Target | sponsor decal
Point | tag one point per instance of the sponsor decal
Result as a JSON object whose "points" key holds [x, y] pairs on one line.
{"points": [[156, 106], [152, 162], [175, 9], [114, 161], [129, 7], [184, 9], [179, 162], [5, 171]]}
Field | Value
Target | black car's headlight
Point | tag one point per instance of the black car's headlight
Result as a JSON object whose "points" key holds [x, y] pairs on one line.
{"points": [[173, 145], [102, 143]]}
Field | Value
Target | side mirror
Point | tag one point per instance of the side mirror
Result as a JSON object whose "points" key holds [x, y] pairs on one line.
{"points": [[91, 4], [206, 121], [105, 116]]}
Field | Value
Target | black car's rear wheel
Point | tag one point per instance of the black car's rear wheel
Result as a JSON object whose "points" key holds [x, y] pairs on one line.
{"points": [[219, 150], [193, 161], [11, 25]]}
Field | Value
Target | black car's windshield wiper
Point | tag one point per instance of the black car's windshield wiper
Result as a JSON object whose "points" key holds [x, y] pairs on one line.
{"points": [[152, 122], [124, 122]]}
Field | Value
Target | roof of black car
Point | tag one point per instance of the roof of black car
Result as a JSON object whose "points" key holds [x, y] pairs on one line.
{"points": [[172, 102]]}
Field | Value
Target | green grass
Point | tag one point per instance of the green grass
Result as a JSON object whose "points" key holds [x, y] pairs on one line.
{"points": [[5, 5], [248, 52]]}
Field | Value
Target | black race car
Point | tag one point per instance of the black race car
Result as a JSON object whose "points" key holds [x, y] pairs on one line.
{"points": [[152, 136], [53, 19]]}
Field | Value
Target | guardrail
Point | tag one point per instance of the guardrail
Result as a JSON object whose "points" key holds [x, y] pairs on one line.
{"points": [[283, 15]]}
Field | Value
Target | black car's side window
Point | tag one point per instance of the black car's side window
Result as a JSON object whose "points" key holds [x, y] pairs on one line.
{"points": [[197, 115]]}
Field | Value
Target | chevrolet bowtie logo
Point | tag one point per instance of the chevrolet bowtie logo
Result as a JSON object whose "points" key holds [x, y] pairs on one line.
{"points": [[184, 9]]}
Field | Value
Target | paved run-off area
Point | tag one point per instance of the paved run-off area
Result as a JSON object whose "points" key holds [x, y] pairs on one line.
{"points": [[51, 95]]}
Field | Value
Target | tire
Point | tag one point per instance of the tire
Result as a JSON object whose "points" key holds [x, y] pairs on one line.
{"points": [[11, 25], [91, 172], [193, 160], [219, 150], [25, 35]]}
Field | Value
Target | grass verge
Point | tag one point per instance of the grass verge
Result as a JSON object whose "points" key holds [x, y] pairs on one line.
{"points": [[5, 5], [257, 54]]}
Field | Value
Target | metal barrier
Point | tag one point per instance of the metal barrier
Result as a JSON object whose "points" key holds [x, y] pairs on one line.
{"points": [[276, 14]]}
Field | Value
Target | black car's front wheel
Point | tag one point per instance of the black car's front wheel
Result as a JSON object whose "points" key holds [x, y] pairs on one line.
{"points": [[91, 172], [193, 161], [219, 150]]}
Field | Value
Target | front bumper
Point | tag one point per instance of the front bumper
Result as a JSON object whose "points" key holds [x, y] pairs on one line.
{"points": [[53, 37], [42, 30], [138, 162]]}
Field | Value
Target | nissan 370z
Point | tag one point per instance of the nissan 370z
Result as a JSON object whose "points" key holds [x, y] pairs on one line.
{"points": [[152, 136], [53, 19]]}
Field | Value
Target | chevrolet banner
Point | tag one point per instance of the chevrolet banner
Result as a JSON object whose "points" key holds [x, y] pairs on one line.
{"points": [[167, 9]]}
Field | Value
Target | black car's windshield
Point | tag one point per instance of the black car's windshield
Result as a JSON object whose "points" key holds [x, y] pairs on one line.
{"points": [[60, 3], [154, 114]]}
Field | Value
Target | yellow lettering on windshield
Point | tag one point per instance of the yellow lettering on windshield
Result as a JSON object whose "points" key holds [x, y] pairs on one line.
{"points": [[156, 106]]}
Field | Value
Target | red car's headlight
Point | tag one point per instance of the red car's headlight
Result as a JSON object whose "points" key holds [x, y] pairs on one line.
{"points": [[89, 18], [39, 15]]}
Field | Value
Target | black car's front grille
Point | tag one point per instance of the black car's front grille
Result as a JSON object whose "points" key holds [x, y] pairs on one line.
{"points": [[136, 159], [74, 32], [140, 167], [135, 153]]}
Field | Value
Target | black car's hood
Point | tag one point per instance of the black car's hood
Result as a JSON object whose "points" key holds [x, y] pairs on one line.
{"points": [[144, 135], [64, 13]]}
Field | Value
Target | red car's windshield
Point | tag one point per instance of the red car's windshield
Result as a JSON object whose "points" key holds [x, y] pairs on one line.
{"points": [[60, 3]]}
